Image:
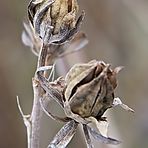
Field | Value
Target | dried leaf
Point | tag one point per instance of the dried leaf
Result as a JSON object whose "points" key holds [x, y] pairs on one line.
{"points": [[64, 136], [102, 139]]}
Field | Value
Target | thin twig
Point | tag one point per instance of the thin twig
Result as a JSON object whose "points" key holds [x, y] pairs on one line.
{"points": [[26, 119]]}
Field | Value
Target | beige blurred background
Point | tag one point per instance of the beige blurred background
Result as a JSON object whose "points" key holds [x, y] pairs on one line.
{"points": [[118, 33]]}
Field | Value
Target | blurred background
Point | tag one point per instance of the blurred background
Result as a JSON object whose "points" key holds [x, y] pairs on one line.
{"points": [[117, 32]]}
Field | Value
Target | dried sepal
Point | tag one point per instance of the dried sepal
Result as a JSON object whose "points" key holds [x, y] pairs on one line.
{"points": [[87, 137], [101, 138], [32, 7], [44, 104], [118, 102], [51, 90], [114, 74], [78, 42], [67, 34], [100, 126], [64, 136], [41, 22]]}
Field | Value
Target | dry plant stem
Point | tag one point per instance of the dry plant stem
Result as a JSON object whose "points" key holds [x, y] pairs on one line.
{"points": [[37, 110], [36, 115]]}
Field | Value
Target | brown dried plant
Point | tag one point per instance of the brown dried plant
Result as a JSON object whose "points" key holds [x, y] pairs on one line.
{"points": [[84, 94]]}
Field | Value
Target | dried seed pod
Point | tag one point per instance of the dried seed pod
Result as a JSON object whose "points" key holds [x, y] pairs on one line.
{"points": [[85, 94], [54, 20], [90, 88]]}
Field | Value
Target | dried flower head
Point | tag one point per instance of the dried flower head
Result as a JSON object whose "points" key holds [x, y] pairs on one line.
{"points": [[85, 94], [54, 20]]}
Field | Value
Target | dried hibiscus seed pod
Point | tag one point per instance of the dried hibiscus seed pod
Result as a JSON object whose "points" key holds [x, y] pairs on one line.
{"points": [[85, 94], [90, 88]]}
